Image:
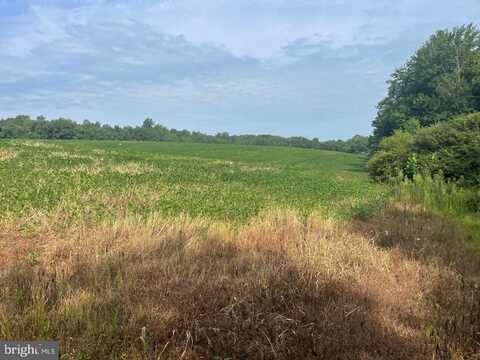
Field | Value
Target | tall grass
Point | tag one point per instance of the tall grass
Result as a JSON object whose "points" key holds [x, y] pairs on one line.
{"points": [[437, 196], [280, 287]]}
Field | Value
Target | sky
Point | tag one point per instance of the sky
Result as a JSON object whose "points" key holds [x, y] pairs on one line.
{"points": [[312, 68]]}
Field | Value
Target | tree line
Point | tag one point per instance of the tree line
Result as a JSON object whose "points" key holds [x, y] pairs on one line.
{"points": [[429, 122], [24, 127]]}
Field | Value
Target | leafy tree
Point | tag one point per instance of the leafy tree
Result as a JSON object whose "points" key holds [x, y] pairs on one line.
{"points": [[24, 127], [148, 123], [61, 129], [440, 80]]}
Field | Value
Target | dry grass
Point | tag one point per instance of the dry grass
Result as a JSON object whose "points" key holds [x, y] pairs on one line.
{"points": [[7, 154], [98, 166], [95, 168], [68, 155], [131, 168], [38, 144], [281, 287]]}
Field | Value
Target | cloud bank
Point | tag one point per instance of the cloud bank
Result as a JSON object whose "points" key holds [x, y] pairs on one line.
{"points": [[311, 68]]}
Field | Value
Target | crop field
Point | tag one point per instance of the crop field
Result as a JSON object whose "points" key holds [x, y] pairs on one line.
{"points": [[94, 180], [130, 250]]}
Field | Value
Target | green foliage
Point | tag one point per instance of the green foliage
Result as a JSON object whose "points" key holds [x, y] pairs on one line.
{"points": [[92, 180], [411, 126], [441, 79], [392, 156], [148, 123], [363, 209], [444, 198], [22, 127], [357, 145], [451, 149]]}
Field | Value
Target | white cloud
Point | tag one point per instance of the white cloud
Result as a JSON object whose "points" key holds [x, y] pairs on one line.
{"points": [[245, 65]]}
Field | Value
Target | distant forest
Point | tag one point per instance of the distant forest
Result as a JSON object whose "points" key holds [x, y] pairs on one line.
{"points": [[24, 127]]}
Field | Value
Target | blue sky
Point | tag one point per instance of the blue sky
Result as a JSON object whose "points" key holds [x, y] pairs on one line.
{"points": [[312, 68]]}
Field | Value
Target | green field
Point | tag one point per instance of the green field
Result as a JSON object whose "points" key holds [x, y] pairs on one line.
{"points": [[96, 253], [96, 179]]}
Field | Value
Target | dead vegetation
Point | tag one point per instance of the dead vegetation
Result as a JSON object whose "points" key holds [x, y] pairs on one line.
{"points": [[132, 168], [277, 288], [7, 154], [281, 287]]}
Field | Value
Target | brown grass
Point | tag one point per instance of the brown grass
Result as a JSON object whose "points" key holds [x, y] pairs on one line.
{"points": [[7, 154], [97, 166], [131, 168], [68, 155], [278, 288]]}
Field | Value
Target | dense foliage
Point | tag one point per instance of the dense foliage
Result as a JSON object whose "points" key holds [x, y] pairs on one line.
{"points": [[429, 122], [450, 148], [23, 127], [441, 80]]}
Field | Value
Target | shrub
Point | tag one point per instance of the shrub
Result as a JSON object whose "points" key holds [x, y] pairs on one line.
{"points": [[392, 156], [452, 148], [449, 148]]}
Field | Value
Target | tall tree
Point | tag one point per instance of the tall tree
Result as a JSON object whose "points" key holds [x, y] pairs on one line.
{"points": [[440, 80]]}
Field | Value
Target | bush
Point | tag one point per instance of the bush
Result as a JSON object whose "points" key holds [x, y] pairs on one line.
{"points": [[392, 156], [449, 148], [452, 148]]}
